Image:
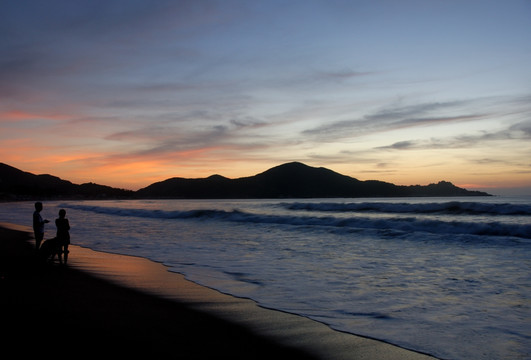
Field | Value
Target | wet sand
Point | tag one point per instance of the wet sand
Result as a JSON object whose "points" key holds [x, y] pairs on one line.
{"points": [[108, 304]]}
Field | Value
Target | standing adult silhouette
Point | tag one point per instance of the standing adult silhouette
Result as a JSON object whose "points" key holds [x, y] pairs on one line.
{"points": [[38, 225], [63, 234]]}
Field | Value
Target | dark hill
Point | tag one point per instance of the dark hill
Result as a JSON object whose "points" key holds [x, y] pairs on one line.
{"points": [[293, 180], [19, 185], [299, 180]]}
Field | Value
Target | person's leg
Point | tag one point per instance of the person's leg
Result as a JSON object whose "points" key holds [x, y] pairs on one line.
{"points": [[59, 252], [38, 240], [65, 252]]}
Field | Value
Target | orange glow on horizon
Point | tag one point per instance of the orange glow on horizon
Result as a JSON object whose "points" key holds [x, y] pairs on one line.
{"points": [[16, 115], [134, 172], [134, 175]]}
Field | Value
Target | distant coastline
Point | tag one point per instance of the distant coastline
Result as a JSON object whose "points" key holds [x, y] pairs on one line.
{"points": [[290, 180]]}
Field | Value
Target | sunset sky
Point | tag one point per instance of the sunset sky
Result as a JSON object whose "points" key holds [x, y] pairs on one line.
{"points": [[126, 93]]}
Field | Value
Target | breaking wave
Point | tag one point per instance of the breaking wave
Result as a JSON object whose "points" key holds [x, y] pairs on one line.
{"points": [[451, 207], [402, 224]]}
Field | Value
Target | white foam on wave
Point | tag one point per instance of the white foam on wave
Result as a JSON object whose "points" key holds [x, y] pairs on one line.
{"points": [[452, 207], [404, 224]]}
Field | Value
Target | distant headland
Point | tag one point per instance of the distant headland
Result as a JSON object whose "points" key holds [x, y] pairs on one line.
{"points": [[290, 180]]}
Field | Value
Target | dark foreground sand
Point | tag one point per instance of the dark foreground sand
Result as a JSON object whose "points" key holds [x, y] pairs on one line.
{"points": [[112, 305]]}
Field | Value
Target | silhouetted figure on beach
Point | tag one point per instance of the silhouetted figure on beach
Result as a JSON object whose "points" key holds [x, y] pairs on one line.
{"points": [[38, 225], [63, 234]]}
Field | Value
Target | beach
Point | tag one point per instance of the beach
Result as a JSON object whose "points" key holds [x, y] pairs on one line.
{"points": [[106, 304]]}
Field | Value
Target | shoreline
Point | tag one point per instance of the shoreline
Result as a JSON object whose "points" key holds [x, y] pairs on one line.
{"points": [[278, 332]]}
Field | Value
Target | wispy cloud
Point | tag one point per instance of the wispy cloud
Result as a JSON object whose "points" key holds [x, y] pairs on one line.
{"points": [[392, 118], [518, 132]]}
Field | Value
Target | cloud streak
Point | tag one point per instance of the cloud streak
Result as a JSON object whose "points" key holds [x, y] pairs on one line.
{"points": [[391, 119]]}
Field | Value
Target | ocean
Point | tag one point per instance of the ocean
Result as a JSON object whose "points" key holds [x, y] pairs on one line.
{"points": [[450, 277]]}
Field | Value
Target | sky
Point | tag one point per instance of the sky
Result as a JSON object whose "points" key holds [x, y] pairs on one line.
{"points": [[129, 92]]}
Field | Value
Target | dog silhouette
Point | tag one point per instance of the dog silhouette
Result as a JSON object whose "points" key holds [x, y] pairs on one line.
{"points": [[50, 248]]}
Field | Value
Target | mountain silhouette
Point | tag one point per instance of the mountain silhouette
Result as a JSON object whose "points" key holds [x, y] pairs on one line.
{"points": [[16, 184], [293, 180], [290, 180]]}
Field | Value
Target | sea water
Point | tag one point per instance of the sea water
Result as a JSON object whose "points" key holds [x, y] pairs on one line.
{"points": [[446, 276]]}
